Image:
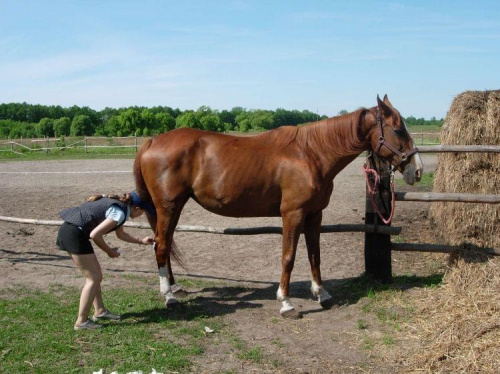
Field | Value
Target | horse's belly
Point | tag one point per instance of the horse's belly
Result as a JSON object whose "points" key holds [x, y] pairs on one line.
{"points": [[256, 207]]}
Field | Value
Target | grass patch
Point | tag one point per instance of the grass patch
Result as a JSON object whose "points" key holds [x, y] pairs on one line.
{"points": [[253, 354], [38, 336], [361, 324]]}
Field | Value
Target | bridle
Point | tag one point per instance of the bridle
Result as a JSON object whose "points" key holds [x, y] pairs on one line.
{"points": [[373, 189], [383, 142]]}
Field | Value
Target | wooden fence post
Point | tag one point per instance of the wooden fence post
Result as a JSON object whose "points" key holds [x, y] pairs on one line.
{"points": [[378, 262], [85, 144]]}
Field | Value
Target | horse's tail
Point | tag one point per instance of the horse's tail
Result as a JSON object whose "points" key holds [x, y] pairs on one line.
{"points": [[140, 184], [143, 192]]}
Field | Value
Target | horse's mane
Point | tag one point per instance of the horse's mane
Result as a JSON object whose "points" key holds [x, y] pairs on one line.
{"points": [[336, 135]]}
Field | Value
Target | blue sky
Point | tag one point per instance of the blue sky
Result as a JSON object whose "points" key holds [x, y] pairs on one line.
{"points": [[323, 56]]}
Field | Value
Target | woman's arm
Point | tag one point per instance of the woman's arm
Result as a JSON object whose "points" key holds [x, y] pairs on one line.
{"points": [[126, 237], [97, 236]]}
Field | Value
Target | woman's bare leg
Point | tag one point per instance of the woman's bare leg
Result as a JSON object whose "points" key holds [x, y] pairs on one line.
{"points": [[91, 270]]}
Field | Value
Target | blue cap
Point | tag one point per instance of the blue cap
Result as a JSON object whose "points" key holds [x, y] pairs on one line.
{"points": [[146, 205]]}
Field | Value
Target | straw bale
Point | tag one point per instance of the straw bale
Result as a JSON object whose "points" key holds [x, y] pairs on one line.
{"points": [[473, 119], [458, 325]]}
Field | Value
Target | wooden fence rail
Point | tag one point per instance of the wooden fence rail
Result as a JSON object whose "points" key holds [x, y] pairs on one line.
{"points": [[459, 148], [447, 197], [230, 230]]}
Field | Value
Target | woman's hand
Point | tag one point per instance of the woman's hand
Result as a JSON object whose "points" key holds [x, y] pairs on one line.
{"points": [[147, 240], [113, 252]]}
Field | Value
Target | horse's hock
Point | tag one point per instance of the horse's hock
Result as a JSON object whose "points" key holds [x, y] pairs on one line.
{"points": [[473, 119]]}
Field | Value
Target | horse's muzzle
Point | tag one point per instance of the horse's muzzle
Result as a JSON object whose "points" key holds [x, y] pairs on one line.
{"points": [[413, 170]]}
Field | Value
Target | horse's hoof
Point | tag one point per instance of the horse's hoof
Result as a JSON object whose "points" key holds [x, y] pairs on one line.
{"points": [[327, 304], [171, 303], [181, 293], [291, 314]]}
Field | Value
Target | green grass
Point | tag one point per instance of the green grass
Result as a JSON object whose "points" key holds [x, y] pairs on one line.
{"points": [[37, 334], [361, 324], [253, 354]]}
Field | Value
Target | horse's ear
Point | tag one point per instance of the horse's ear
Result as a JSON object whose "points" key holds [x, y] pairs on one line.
{"points": [[386, 100], [384, 108]]}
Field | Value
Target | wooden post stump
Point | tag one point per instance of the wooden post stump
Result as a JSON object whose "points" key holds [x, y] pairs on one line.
{"points": [[378, 262]]}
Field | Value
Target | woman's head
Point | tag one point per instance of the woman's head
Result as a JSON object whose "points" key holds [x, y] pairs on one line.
{"points": [[131, 199], [137, 204]]}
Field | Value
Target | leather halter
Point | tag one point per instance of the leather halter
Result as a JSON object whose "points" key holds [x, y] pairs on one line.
{"points": [[383, 142]]}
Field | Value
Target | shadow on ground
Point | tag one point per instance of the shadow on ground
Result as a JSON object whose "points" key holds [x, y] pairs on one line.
{"points": [[224, 300]]}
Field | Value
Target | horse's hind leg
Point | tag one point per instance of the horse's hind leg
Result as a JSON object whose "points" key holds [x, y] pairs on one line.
{"points": [[312, 227], [292, 226], [165, 226]]}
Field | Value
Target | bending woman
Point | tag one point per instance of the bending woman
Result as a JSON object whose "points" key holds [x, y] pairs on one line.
{"points": [[93, 219]]}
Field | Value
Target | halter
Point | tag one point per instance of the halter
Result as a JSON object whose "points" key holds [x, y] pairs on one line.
{"points": [[383, 142], [373, 189]]}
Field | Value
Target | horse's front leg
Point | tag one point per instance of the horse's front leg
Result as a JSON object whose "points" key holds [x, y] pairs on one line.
{"points": [[312, 229], [292, 226]]}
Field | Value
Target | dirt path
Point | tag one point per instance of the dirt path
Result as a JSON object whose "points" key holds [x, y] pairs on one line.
{"points": [[323, 341]]}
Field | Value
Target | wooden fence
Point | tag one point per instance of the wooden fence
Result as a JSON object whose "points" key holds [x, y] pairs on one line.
{"points": [[85, 144], [88, 143]]}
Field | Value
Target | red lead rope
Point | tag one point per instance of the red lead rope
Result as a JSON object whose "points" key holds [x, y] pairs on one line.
{"points": [[373, 190]]}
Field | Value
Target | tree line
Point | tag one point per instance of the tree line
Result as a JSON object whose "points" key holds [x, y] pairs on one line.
{"points": [[22, 120]]}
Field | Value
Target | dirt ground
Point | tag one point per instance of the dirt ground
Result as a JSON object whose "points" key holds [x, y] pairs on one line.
{"points": [[322, 341]]}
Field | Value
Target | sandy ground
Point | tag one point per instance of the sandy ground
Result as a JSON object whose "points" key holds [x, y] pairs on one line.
{"points": [[323, 341]]}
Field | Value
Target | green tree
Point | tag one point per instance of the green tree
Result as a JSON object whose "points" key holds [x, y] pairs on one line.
{"points": [[261, 119], [45, 127], [243, 121], [62, 126], [130, 120], [165, 122], [229, 119], [212, 123], [188, 119], [22, 130], [81, 125]]}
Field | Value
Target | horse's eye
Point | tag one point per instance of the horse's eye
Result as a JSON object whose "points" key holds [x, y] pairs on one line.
{"points": [[399, 132]]}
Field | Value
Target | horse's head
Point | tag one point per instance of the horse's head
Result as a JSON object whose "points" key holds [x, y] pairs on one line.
{"points": [[391, 141]]}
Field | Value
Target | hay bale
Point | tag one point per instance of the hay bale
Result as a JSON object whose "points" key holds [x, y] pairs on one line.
{"points": [[473, 119], [458, 328]]}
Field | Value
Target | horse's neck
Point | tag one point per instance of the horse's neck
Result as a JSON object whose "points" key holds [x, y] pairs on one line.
{"points": [[337, 141]]}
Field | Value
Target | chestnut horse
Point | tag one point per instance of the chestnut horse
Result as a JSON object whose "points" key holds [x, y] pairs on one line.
{"points": [[285, 172]]}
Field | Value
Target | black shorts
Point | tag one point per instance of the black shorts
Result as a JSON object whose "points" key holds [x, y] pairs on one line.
{"points": [[72, 239]]}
